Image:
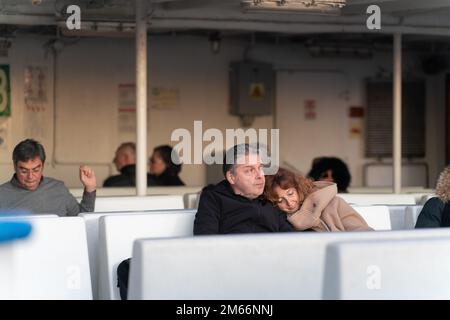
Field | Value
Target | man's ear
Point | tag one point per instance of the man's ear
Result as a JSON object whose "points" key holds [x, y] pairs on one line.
{"points": [[230, 177]]}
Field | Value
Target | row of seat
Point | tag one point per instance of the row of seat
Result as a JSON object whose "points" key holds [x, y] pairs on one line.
{"points": [[108, 239], [362, 265], [188, 197], [378, 217]]}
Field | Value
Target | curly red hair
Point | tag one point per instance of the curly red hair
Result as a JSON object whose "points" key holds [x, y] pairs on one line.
{"points": [[286, 179]]}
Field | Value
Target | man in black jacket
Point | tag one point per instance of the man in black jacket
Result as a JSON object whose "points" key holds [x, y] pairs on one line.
{"points": [[125, 162], [236, 205]]}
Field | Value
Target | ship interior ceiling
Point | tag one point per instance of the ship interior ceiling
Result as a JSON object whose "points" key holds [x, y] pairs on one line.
{"points": [[424, 27], [424, 24]]}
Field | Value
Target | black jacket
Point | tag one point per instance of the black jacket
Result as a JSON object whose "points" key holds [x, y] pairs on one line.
{"points": [[221, 211], [164, 179], [126, 178], [432, 214], [436, 211]]}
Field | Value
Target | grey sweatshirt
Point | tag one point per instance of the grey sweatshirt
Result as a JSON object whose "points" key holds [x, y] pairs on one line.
{"points": [[51, 196]]}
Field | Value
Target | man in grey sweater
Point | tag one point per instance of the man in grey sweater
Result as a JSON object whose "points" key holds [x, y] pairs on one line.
{"points": [[29, 190]]}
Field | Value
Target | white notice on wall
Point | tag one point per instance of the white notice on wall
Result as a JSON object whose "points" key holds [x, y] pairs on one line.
{"points": [[164, 98], [36, 102]]}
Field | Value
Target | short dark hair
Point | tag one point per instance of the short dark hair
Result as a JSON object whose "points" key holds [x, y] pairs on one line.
{"points": [[165, 151], [340, 172], [27, 150], [232, 154]]}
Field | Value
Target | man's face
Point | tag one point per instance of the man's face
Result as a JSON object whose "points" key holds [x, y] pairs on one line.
{"points": [[247, 178], [121, 159], [29, 173]]}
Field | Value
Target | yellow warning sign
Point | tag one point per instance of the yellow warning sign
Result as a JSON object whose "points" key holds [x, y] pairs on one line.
{"points": [[257, 91]]}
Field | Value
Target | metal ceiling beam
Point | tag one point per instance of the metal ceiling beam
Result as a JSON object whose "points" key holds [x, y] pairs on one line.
{"points": [[395, 6], [30, 20], [293, 27]]}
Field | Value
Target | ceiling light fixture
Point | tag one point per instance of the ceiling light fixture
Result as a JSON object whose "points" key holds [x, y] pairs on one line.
{"points": [[332, 7]]}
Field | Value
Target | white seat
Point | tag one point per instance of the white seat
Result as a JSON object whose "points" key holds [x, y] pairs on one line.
{"points": [[377, 217], [191, 200], [378, 199], [387, 269], [117, 204], [52, 263], [425, 198], [6, 270], [421, 197], [269, 266], [411, 215], [397, 216], [131, 191], [117, 234], [92, 222]]}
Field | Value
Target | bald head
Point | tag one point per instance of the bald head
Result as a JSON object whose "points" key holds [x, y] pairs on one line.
{"points": [[125, 155]]}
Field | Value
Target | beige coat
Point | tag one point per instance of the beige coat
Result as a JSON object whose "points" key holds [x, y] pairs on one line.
{"points": [[323, 211]]}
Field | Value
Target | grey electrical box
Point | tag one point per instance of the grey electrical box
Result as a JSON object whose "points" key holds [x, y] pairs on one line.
{"points": [[252, 86]]}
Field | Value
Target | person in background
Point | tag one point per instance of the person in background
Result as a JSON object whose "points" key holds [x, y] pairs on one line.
{"points": [[163, 171], [331, 169], [29, 190], [436, 211], [312, 206], [125, 162]]}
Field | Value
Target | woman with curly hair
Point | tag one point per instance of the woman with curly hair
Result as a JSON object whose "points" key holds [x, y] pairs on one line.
{"points": [[331, 169], [312, 206], [436, 211]]}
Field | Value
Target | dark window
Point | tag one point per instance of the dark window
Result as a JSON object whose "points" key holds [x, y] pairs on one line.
{"points": [[380, 117]]}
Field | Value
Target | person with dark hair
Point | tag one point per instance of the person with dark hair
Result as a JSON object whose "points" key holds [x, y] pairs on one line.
{"points": [[312, 206], [125, 162], [331, 169], [164, 167], [236, 204], [436, 211], [30, 190]]}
